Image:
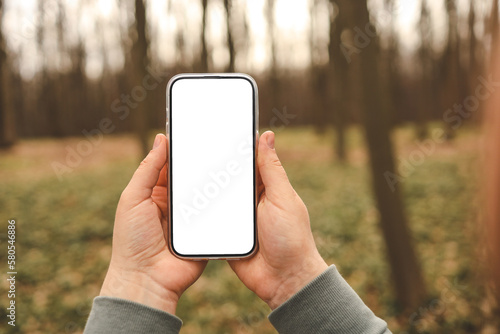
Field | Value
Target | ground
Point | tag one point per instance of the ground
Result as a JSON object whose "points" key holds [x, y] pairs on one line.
{"points": [[64, 229]]}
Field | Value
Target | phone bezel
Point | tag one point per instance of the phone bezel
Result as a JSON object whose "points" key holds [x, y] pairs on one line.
{"points": [[255, 131]]}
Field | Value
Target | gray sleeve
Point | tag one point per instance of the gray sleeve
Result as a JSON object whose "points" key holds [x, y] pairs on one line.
{"points": [[327, 305], [114, 315]]}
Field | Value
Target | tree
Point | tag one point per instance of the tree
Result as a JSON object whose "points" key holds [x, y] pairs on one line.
{"points": [[425, 53], [455, 88], [473, 62], [392, 67], [339, 74], [228, 4], [495, 32], [406, 272], [140, 61], [491, 183], [47, 105], [320, 80], [7, 120], [273, 76], [203, 38], [61, 111]]}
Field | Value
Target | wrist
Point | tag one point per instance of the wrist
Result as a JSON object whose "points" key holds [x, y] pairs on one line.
{"points": [[294, 281], [139, 288]]}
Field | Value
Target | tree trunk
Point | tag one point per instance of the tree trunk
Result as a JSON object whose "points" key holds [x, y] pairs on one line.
{"points": [[406, 272], [230, 42], [453, 86], [473, 63], [273, 76], [7, 119], [339, 75], [320, 79], [141, 61], [495, 33], [491, 184], [425, 55], [204, 49]]}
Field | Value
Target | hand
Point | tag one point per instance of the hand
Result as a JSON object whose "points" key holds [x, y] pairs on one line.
{"points": [[142, 269], [287, 259]]}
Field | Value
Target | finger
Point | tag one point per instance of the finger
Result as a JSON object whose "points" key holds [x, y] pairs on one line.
{"points": [[271, 171], [163, 180], [147, 175], [260, 185]]}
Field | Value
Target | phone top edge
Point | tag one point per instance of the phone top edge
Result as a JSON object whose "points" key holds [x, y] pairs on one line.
{"points": [[214, 76], [211, 76]]}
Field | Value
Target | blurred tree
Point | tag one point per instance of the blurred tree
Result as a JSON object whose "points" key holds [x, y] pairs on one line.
{"points": [[174, 11], [140, 62], [7, 119], [270, 9], [47, 110], [228, 4], [473, 44], [339, 74], [63, 111], [105, 82], [78, 80], [406, 272], [273, 73], [475, 65], [203, 38], [320, 104], [391, 64], [455, 88], [495, 32], [425, 54], [491, 180]]}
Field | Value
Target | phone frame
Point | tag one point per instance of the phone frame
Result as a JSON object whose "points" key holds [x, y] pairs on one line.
{"points": [[255, 133]]}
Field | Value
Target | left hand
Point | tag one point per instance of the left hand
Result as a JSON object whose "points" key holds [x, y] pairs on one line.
{"points": [[142, 269]]}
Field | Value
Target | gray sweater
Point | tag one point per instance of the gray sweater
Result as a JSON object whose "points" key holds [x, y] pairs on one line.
{"points": [[326, 305]]}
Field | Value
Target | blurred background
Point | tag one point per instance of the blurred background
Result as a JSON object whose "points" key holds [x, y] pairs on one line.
{"points": [[377, 105]]}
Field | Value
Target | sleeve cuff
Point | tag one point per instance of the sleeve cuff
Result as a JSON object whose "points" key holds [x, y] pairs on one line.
{"points": [[326, 305], [115, 315]]}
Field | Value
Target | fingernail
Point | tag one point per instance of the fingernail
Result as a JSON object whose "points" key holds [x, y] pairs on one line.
{"points": [[157, 141], [270, 140]]}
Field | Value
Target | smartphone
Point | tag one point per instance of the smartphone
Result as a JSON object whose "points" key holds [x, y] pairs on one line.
{"points": [[212, 127]]}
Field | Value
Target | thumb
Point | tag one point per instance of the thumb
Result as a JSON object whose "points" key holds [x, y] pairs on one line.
{"points": [[146, 176], [271, 171]]}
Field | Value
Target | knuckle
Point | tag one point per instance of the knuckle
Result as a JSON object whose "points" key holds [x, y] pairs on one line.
{"points": [[144, 163]]}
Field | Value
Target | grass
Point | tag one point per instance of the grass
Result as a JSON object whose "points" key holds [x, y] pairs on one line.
{"points": [[64, 231]]}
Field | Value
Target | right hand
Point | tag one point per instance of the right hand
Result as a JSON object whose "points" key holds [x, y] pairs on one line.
{"points": [[287, 259]]}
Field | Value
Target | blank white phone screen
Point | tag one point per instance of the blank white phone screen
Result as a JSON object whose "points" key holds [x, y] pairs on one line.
{"points": [[212, 166]]}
